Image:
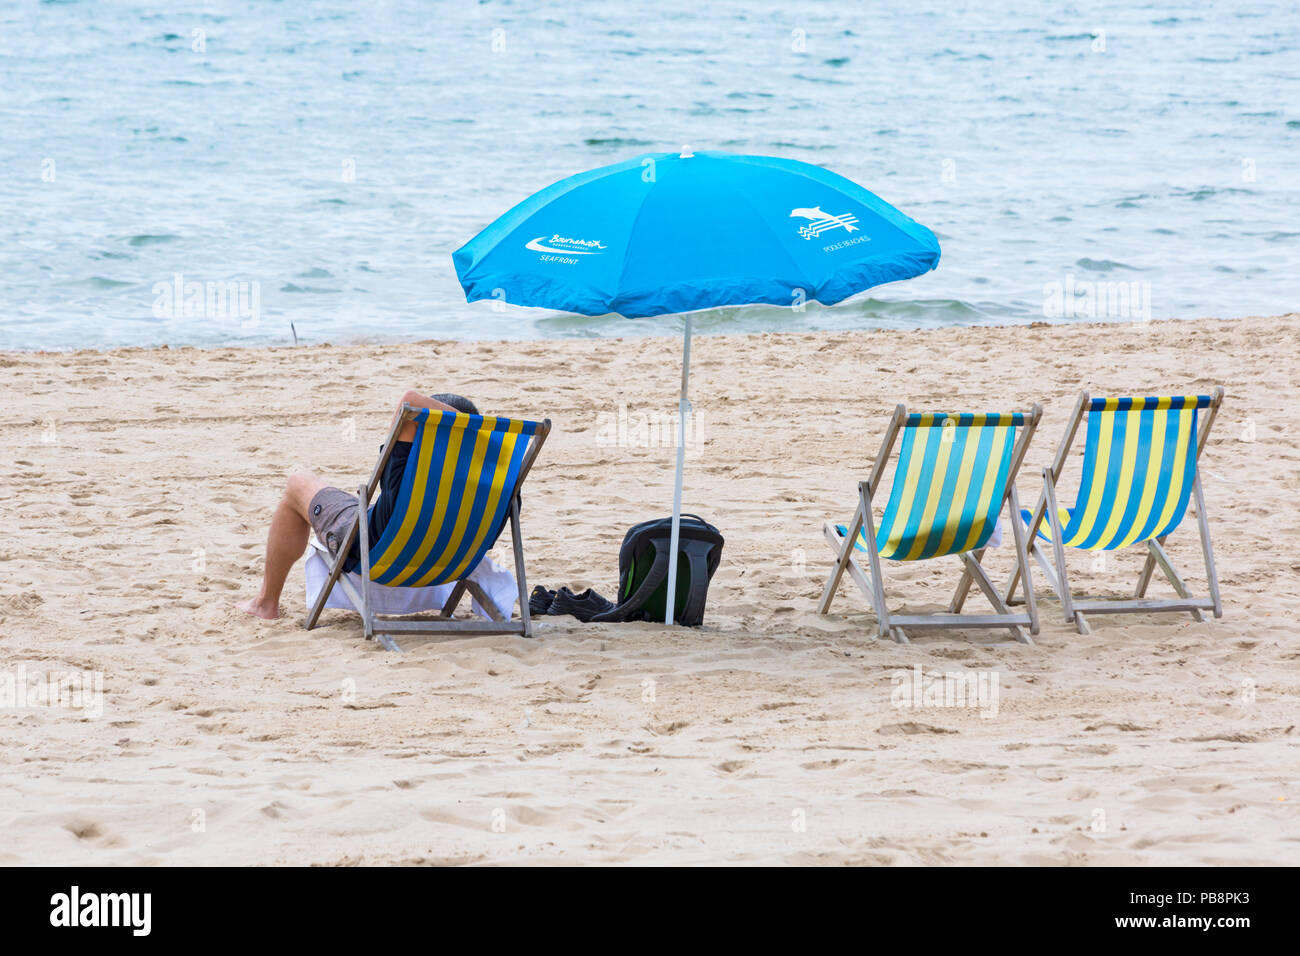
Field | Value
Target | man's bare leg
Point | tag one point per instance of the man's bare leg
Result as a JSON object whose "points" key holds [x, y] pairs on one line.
{"points": [[285, 543]]}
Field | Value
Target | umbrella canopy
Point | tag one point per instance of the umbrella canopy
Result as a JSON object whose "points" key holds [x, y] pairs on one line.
{"points": [[669, 233], [674, 233]]}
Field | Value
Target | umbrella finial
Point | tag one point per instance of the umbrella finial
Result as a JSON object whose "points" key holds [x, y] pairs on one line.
{"points": [[686, 153]]}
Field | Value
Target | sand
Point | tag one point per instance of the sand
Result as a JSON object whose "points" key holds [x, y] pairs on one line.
{"points": [[138, 484]]}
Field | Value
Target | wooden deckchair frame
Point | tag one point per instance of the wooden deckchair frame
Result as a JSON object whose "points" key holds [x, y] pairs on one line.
{"points": [[501, 622], [1056, 573], [892, 625]]}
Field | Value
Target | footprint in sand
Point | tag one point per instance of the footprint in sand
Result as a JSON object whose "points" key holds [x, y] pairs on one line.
{"points": [[88, 831], [667, 729], [912, 727]]}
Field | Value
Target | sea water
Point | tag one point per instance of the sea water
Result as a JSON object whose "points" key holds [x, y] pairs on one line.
{"points": [[257, 172]]}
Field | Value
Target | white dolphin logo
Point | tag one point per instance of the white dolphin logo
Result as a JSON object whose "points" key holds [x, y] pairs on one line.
{"points": [[820, 221]]}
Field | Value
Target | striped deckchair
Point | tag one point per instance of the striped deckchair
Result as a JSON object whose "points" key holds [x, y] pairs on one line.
{"points": [[460, 486], [1139, 470], [955, 474]]}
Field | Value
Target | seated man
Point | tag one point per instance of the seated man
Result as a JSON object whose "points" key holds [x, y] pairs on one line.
{"points": [[309, 503]]}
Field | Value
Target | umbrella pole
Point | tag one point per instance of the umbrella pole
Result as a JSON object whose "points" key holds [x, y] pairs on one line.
{"points": [[683, 409]]}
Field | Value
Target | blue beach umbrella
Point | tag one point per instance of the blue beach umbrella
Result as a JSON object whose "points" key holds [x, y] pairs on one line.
{"points": [[671, 233]]}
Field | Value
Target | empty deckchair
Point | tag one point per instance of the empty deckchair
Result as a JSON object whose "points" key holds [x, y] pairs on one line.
{"points": [[955, 474], [460, 486], [1139, 470]]}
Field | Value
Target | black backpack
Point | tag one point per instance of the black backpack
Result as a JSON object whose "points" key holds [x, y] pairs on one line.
{"points": [[643, 571]]}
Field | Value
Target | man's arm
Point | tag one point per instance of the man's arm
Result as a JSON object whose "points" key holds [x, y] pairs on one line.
{"points": [[416, 400]]}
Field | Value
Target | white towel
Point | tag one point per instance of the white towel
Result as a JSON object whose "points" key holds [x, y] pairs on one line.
{"points": [[494, 579]]}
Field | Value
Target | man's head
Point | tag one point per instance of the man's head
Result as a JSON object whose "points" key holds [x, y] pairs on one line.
{"points": [[458, 402]]}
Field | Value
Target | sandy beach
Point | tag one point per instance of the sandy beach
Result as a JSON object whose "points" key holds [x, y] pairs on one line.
{"points": [[138, 485]]}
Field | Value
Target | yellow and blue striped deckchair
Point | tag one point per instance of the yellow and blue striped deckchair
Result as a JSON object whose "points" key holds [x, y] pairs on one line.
{"points": [[459, 488], [1139, 472], [955, 473]]}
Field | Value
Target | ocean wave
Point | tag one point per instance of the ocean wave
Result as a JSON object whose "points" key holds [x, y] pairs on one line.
{"points": [[153, 239], [314, 290], [1103, 265]]}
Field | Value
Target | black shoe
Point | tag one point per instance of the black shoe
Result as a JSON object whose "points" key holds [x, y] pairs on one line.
{"points": [[540, 601], [583, 606]]}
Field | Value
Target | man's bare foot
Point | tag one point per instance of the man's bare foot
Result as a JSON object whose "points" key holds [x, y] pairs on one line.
{"points": [[258, 609]]}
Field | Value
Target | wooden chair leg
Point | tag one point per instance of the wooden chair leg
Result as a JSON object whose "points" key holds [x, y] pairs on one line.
{"points": [[842, 559], [1022, 561], [873, 556], [484, 601], [1203, 522], [368, 621], [976, 573], [454, 598], [859, 576], [517, 539], [864, 526], [1148, 568], [963, 586], [1058, 548], [336, 571], [1160, 557]]}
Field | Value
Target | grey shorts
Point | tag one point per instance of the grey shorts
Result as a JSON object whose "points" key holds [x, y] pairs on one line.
{"points": [[331, 513]]}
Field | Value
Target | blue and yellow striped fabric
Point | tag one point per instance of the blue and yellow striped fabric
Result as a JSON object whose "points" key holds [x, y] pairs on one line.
{"points": [[454, 497], [1138, 468], [949, 485]]}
